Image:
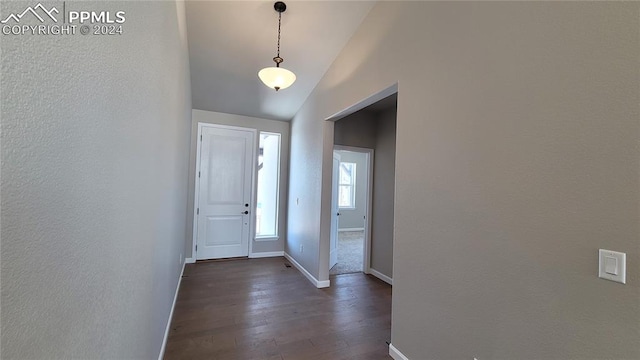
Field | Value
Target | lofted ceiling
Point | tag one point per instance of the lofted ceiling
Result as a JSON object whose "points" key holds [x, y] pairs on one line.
{"points": [[230, 41]]}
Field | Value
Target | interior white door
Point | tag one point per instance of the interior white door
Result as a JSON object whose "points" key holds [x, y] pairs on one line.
{"points": [[224, 199], [333, 243]]}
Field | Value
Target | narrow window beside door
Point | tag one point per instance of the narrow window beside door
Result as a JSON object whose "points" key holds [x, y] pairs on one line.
{"points": [[268, 186]]}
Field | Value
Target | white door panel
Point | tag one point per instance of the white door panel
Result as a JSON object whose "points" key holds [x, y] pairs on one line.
{"points": [[224, 199], [222, 230], [226, 157]]}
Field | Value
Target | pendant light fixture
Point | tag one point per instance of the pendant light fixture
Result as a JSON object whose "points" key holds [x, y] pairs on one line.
{"points": [[276, 77]]}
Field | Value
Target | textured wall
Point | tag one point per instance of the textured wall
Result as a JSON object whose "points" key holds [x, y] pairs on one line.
{"points": [[517, 158], [95, 144], [305, 181], [383, 193], [281, 127], [357, 129]]}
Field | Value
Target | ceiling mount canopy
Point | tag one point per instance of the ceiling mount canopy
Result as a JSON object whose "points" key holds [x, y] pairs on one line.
{"points": [[277, 77]]}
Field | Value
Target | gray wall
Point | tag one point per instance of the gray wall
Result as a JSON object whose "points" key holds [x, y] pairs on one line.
{"points": [[95, 144], [516, 159], [383, 193], [354, 218], [281, 127], [357, 129], [376, 128]]}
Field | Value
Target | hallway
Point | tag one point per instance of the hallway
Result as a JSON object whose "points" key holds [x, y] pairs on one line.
{"points": [[350, 253], [262, 309]]}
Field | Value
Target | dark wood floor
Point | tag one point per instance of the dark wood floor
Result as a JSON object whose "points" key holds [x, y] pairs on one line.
{"points": [[261, 309]]}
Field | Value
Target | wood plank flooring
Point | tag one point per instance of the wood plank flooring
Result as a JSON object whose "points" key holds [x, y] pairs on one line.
{"points": [[261, 309]]}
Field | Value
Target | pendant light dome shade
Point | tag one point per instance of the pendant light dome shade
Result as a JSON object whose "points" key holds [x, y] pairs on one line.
{"points": [[276, 77]]}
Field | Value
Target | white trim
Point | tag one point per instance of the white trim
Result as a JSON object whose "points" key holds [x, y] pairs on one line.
{"points": [[373, 98], [190, 260], [381, 276], [396, 354], [352, 229], [317, 283], [366, 263], [267, 238], [196, 195], [173, 306], [254, 175], [254, 187], [266, 254]]}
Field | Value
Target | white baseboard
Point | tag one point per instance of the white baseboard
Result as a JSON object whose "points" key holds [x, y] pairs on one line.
{"points": [[266, 254], [173, 306], [396, 354], [351, 229], [317, 283], [189, 261], [381, 276]]}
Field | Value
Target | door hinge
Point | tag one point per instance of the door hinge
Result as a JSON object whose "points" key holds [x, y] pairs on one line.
{"points": [[198, 173], [198, 211], [200, 137], [196, 247]]}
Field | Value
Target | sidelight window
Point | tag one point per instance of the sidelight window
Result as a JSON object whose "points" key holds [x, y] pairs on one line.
{"points": [[268, 185]]}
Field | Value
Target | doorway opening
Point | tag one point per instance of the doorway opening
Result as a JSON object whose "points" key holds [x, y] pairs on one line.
{"points": [[364, 217], [353, 198]]}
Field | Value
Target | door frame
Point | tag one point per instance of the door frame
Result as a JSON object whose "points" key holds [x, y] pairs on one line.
{"points": [[366, 263], [335, 208], [196, 205]]}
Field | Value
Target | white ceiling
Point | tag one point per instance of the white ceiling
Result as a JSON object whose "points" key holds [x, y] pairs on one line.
{"points": [[230, 41]]}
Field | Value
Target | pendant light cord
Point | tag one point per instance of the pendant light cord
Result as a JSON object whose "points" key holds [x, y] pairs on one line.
{"points": [[279, 23], [280, 7]]}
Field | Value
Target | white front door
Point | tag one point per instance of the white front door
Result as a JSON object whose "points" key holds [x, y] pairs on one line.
{"points": [[333, 243], [224, 198]]}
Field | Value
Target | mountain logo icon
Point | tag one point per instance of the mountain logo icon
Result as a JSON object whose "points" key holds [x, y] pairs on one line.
{"points": [[33, 11]]}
